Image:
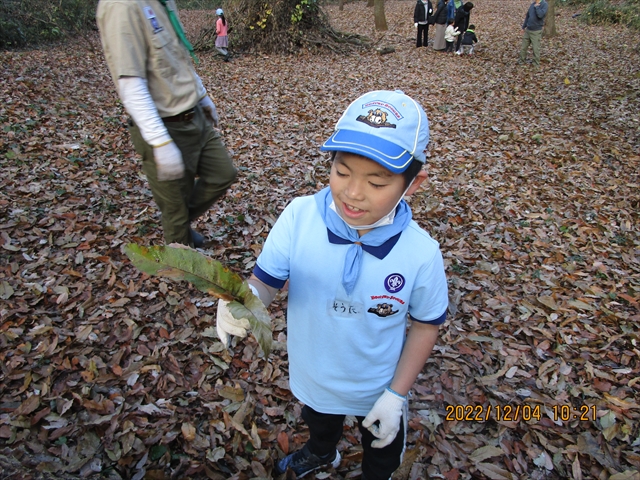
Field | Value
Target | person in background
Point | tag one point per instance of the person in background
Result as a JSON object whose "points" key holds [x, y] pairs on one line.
{"points": [[463, 15], [440, 21], [421, 15], [452, 8], [171, 115], [222, 39], [468, 40], [450, 35], [347, 340], [532, 31]]}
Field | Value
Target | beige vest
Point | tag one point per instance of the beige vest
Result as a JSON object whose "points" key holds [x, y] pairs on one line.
{"points": [[139, 41]]}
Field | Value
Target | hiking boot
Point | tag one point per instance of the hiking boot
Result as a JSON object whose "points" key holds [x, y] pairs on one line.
{"points": [[303, 462], [196, 238]]}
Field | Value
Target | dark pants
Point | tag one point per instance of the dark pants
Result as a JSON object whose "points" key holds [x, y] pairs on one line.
{"points": [[377, 463], [449, 47], [209, 172], [459, 41], [423, 35]]}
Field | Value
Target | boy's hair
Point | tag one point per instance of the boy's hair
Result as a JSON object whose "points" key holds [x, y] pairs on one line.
{"points": [[385, 126], [408, 175], [451, 22], [471, 27]]}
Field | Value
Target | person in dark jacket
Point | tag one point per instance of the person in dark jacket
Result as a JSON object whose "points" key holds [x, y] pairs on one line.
{"points": [[421, 15], [461, 22], [532, 27], [469, 38], [441, 25]]}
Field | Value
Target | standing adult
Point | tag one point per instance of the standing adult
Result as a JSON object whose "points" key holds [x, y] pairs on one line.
{"points": [[172, 117], [461, 22], [452, 8], [421, 15], [439, 42], [532, 30]]}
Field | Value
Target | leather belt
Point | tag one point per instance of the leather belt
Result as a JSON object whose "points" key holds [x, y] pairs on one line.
{"points": [[185, 116]]}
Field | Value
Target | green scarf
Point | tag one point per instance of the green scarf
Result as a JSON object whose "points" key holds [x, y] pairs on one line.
{"points": [[178, 29]]}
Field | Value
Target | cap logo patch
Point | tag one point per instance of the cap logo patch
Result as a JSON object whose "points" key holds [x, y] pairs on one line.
{"points": [[376, 118], [394, 283]]}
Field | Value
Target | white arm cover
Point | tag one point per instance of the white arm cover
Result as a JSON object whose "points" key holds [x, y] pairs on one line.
{"points": [[202, 92], [137, 100]]}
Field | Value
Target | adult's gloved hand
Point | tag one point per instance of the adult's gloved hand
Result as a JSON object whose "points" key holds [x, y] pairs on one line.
{"points": [[209, 109], [169, 164], [415, 25], [384, 418], [227, 324]]}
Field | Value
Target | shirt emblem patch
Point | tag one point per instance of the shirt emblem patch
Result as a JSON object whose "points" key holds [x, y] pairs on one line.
{"points": [[151, 16], [394, 283], [383, 310]]}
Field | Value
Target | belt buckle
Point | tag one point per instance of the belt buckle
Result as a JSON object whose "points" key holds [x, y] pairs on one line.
{"points": [[189, 116]]}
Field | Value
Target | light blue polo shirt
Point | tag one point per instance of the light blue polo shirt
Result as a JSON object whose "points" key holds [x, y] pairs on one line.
{"points": [[344, 350]]}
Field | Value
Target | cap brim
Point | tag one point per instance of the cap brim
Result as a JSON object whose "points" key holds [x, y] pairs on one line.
{"points": [[388, 154]]}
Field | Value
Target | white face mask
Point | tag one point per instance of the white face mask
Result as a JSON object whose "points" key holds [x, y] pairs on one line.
{"points": [[386, 220]]}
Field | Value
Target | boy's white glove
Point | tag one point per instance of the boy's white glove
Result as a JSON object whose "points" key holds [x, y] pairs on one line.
{"points": [[209, 109], [169, 164], [387, 412], [415, 25], [227, 324]]}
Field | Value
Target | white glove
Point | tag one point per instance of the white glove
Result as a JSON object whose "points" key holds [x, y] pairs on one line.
{"points": [[415, 25], [209, 109], [387, 412], [227, 324], [169, 164]]}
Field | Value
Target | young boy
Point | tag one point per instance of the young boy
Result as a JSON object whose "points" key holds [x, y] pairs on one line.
{"points": [[469, 39], [450, 35], [357, 266]]}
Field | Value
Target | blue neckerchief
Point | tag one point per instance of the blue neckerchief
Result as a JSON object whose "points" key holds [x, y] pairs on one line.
{"points": [[378, 242]]}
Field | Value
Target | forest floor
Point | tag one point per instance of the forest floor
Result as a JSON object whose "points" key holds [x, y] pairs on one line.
{"points": [[533, 195]]}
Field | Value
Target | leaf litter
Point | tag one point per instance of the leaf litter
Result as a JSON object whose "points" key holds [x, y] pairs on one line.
{"points": [[533, 195]]}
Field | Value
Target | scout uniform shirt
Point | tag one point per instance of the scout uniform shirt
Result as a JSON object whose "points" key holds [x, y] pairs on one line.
{"points": [[139, 41], [344, 349]]}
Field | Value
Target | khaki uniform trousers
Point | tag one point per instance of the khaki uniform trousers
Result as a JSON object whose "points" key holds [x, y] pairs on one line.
{"points": [[531, 37], [209, 172]]}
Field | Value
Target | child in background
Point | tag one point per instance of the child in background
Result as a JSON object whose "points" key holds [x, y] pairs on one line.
{"points": [[450, 35], [358, 267], [222, 40], [468, 39]]}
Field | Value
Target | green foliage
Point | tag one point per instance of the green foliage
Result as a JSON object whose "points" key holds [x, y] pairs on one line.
{"points": [[298, 12], [25, 22], [198, 4], [209, 276], [625, 13]]}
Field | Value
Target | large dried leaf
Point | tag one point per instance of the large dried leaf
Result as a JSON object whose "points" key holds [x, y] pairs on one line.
{"points": [[210, 276]]}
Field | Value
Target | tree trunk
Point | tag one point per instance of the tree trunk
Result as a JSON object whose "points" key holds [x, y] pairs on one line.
{"points": [[550, 20], [341, 5], [370, 3], [378, 12]]}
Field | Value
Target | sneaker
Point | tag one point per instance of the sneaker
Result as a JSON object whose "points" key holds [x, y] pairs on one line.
{"points": [[459, 52], [303, 462]]}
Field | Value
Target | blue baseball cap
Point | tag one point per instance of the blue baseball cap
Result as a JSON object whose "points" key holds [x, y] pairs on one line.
{"points": [[388, 127], [219, 12]]}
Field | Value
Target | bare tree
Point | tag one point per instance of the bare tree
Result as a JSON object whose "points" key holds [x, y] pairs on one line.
{"points": [[550, 20], [370, 3], [380, 18]]}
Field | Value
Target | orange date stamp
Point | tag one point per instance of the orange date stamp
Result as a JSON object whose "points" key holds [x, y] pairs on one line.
{"points": [[517, 413], [499, 413]]}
